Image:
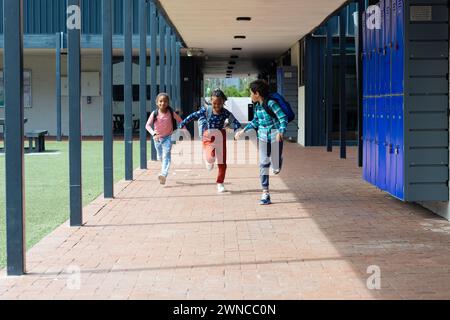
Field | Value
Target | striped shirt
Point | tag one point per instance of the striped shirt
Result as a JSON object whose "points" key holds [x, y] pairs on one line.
{"points": [[267, 126]]}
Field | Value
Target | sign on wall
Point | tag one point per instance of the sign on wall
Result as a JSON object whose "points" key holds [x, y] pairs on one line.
{"points": [[26, 89]]}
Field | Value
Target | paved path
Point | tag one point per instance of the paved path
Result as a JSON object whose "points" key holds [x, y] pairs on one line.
{"points": [[184, 241]]}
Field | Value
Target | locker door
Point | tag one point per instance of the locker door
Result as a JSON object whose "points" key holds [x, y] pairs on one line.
{"points": [[392, 107], [381, 170], [399, 189], [376, 102], [387, 90], [371, 102]]}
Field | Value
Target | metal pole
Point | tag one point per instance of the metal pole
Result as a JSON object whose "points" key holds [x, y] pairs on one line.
{"points": [[168, 61], [342, 72], [128, 87], [108, 141], [178, 76], [176, 72], [153, 67], [58, 86], [359, 78], [162, 53], [329, 86], [143, 82], [172, 69], [14, 129], [74, 77]]}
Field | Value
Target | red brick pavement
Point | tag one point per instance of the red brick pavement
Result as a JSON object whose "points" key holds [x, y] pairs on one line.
{"points": [[185, 241]]}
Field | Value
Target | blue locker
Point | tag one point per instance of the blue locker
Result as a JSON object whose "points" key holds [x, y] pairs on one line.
{"points": [[399, 189], [392, 107], [381, 168], [377, 106], [369, 105], [387, 90], [373, 147]]}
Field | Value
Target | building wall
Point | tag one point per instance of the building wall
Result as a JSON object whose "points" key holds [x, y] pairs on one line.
{"points": [[42, 114], [440, 208]]}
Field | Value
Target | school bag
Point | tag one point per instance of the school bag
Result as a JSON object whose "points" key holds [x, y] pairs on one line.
{"points": [[208, 115], [174, 121], [284, 105]]}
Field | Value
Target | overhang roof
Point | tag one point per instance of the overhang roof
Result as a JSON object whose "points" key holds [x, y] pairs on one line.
{"points": [[275, 26]]}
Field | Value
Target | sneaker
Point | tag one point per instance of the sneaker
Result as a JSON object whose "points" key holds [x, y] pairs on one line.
{"points": [[162, 179], [265, 199], [209, 166], [220, 188], [276, 171]]}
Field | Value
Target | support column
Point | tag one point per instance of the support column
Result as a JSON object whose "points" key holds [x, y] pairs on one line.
{"points": [[178, 75], [342, 72], [74, 78], [107, 74], [168, 61], [172, 69], [153, 66], [143, 82], [329, 86], [362, 4], [59, 39], [162, 54], [14, 130], [128, 87]]}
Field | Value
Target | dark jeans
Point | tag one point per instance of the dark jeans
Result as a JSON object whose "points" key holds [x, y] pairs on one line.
{"points": [[270, 155]]}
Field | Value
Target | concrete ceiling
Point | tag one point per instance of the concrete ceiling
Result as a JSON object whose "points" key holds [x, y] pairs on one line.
{"points": [[275, 26]]}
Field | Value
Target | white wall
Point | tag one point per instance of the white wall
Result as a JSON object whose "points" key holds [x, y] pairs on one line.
{"points": [[42, 114], [239, 108]]}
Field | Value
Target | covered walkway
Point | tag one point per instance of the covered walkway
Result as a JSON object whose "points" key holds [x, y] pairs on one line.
{"points": [[184, 241]]}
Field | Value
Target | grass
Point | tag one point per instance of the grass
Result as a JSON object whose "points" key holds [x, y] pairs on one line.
{"points": [[47, 186]]}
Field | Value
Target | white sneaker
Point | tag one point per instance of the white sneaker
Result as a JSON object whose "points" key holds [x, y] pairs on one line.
{"points": [[209, 166], [220, 188]]}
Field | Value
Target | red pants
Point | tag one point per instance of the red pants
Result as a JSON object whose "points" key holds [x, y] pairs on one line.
{"points": [[213, 150]]}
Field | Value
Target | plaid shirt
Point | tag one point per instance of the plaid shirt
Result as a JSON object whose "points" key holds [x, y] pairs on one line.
{"points": [[267, 126]]}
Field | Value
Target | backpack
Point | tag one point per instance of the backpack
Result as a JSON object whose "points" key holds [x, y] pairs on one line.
{"points": [[174, 121], [284, 105], [208, 114]]}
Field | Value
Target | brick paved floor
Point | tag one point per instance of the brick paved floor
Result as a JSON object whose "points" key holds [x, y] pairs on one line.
{"points": [[184, 241]]}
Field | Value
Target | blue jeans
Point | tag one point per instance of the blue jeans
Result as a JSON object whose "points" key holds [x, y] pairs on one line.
{"points": [[163, 151], [270, 155]]}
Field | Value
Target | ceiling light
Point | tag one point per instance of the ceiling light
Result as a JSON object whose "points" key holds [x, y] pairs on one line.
{"points": [[232, 62], [240, 37], [237, 49], [234, 57], [243, 18]]}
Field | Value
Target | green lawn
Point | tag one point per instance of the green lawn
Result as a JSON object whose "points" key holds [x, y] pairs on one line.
{"points": [[47, 186]]}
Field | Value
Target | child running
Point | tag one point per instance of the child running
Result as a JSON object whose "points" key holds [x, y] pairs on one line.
{"points": [[270, 121], [211, 126], [164, 120]]}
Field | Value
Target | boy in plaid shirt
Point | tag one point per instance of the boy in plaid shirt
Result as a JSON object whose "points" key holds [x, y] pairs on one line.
{"points": [[271, 129]]}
